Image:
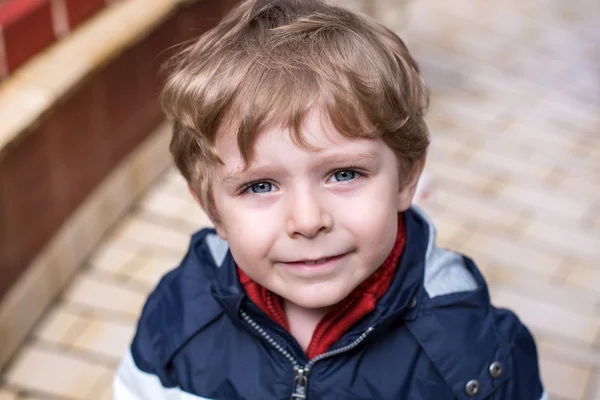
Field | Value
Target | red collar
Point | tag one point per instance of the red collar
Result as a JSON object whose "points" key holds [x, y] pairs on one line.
{"points": [[338, 321]]}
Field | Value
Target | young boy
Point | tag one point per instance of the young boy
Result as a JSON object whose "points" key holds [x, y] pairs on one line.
{"points": [[299, 128]]}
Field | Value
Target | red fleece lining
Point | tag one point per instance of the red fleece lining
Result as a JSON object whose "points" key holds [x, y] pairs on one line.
{"points": [[338, 321]]}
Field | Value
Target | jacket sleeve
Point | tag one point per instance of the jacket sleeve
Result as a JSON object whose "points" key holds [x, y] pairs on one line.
{"points": [[525, 382], [132, 383], [140, 375], [140, 378]]}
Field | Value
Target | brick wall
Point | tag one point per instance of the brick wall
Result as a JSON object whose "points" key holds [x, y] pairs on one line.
{"points": [[49, 171], [29, 26]]}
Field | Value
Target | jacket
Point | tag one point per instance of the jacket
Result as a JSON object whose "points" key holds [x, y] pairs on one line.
{"points": [[433, 335]]}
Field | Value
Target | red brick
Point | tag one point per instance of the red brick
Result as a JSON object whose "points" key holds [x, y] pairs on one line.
{"points": [[197, 18], [28, 29], [79, 11], [32, 202], [80, 141]]}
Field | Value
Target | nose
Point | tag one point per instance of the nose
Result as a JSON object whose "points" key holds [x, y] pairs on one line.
{"points": [[307, 216]]}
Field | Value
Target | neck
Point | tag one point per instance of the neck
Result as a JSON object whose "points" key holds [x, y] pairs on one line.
{"points": [[303, 321]]}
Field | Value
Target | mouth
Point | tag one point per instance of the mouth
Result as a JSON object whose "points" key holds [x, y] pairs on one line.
{"points": [[319, 261], [315, 262]]}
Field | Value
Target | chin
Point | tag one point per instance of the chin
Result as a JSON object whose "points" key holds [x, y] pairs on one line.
{"points": [[319, 300]]}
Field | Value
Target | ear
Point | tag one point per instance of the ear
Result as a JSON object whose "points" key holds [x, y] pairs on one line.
{"points": [[407, 192], [218, 226]]}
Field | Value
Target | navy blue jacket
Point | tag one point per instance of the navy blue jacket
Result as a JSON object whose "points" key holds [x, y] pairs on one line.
{"points": [[433, 335]]}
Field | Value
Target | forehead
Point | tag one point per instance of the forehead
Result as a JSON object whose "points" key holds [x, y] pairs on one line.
{"points": [[318, 135]]}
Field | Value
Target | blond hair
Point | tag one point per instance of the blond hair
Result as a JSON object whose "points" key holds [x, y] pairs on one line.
{"points": [[269, 62]]}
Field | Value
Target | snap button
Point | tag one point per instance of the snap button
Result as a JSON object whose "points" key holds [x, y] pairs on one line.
{"points": [[496, 370], [413, 302], [472, 388]]}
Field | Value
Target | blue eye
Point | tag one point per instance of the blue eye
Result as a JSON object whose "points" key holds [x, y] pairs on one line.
{"points": [[346, 175], [261, 187]]}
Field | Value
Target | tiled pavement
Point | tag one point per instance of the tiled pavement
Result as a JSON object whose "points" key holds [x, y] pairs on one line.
{"points": [[515, 162]]}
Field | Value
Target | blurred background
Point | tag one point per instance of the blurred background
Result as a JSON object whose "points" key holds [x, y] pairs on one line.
{"points": [[92, 212]]}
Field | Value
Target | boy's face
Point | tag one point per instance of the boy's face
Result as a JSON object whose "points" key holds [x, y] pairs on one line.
{"points": [[310, 225]]}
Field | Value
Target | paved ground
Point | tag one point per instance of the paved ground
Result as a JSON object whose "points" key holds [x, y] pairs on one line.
{"points": [[515, 164]]}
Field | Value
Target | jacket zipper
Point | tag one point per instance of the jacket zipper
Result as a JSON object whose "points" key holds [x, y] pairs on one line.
{"points": [[301, 373]]}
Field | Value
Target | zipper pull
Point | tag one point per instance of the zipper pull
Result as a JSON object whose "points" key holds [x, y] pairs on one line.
{"points": [[300, 384]]}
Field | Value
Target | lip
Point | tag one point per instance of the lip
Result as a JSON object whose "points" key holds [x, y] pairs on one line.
{"points": [[330, 263]]}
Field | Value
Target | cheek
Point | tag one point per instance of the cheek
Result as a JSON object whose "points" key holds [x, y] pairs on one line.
{"points": [[372, 218], [376, 230], [369, 206], [250, 234]]}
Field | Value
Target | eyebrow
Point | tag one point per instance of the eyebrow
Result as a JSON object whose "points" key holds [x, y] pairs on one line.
{"points": [[338, 158], [347, 157], [244, 174]]}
